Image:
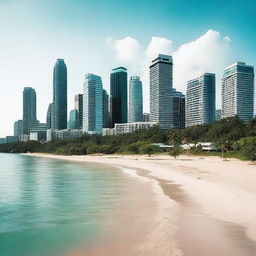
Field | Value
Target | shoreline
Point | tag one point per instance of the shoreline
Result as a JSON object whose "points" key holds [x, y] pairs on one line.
{"points": [[211, 200]]}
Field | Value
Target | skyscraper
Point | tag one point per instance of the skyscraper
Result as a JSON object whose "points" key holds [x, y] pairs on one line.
{"points": [[92, 109], [200, 102], [105, 105], [238, 91], [59, 107], [118, 95], [49, 116], [18, 128], [79, 108], [135, 100], [73, 122], [161, 73], [178, 109], [29, 109]]}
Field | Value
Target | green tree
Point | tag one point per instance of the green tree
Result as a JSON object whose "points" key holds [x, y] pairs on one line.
{"points": [[247, 147], [148, 149], [175, 152]]}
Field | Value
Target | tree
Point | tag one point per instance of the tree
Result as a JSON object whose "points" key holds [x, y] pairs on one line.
{"points": [[247, 147], [148, 149], [224, 145], [175, 152]]}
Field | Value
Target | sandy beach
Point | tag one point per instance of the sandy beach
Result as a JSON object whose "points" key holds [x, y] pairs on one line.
{"points": [[206, 206]]}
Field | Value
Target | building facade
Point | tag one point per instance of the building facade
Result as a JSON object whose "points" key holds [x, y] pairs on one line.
{"points": [[200, 100], [118, 95], [73, 122], [135, 100], [178, 109], [238, 91], [18, 128], [29, 109], [49, 116], [146, 117], [79, 107], [132, 127], [59, 106], [161, 83], [92, 104], [105, 111]]}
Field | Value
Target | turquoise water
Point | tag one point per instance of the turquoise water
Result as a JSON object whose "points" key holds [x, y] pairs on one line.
{"points": [[51, 207]]}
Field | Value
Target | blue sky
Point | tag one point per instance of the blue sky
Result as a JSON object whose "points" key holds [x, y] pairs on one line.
{"points": [[34, 33]]}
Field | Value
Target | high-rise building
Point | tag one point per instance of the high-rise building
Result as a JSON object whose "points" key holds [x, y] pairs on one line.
{"points": [[218, 114], [178, 109], [73, 122], [146, 117], [79, 108], [92, 107], [238, 91], [105, 105], [200, 102], [161, 76], [135, 100], [49, 116], [59, 106], [118, 95], [29, 109], [18, 128]]}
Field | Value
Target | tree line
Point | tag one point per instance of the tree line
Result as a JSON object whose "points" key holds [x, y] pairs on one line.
{"points": [[232, 136]]}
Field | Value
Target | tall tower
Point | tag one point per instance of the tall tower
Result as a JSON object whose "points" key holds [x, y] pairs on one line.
{"points": [[200, 103], [49, 116], [92, 108], [135, 100], [59, 107], [105, 105], [161, 74], [238, 91], [178, 109], [29, 109], [79, 108], [118, 95]]}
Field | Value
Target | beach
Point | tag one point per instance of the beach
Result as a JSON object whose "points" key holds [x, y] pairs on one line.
{"points": [[205, 205]]}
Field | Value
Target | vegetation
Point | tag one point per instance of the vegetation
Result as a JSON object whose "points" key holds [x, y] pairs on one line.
{"points": [[233, 137]]}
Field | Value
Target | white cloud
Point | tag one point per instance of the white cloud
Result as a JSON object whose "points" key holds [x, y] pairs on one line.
{"points": [[208, 53], [158, 45]]}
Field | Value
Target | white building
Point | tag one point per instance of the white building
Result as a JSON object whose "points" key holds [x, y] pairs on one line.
{"points": [[131, 127], [161, 84], [200, 100], [238, 91], [92, 104], [63, 134]]}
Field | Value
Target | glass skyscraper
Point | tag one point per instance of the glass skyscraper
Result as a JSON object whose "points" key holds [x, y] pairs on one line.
{"points": [[79, 108], [18, 128], [200, 101], [118, 95], [73, 122], [161, 83], [49, 116], [59, 106], [178, 109], [105, 105], [29, 109], [92, 104], [238, 91], [135, 100]]}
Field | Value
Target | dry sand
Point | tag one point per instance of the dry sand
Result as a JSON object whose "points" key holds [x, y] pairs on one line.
{"points": [[206, 206]]}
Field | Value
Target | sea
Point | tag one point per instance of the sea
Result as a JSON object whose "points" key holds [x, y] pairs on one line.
{"points": [[57, 207]]}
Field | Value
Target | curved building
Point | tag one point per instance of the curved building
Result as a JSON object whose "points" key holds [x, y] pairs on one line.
{"points": [[135, 100], [118, 95], [59, 106]]}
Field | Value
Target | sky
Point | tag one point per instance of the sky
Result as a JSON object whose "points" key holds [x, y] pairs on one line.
{"points": [[95, 36]]}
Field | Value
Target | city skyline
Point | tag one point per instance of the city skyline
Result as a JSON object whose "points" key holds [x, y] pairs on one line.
{"points": [[83, 44]]}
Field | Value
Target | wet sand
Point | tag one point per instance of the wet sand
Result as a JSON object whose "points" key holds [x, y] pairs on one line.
{"points": [[206, 206]]}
